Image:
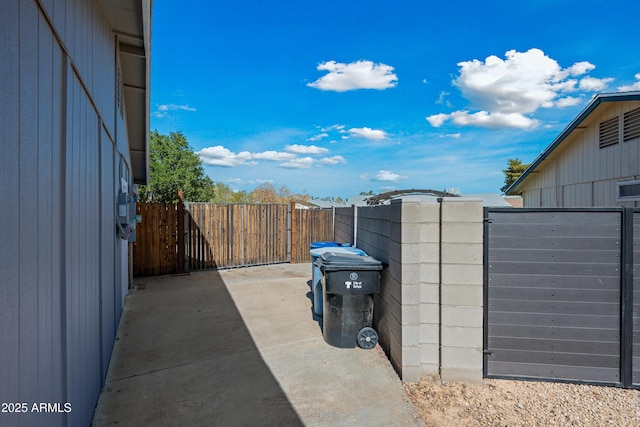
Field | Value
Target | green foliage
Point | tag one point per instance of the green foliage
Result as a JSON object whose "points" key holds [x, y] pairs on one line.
{"points": [[513, 172], [268, 193], [174, 166]]}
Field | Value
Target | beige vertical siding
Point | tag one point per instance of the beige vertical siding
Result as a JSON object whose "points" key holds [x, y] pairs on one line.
{"points": [[582, 173]]}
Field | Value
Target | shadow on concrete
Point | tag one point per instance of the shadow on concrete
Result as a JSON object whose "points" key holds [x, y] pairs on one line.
{"points": [[184, 356]]}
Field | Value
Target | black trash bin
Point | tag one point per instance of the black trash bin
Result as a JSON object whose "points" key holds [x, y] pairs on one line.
{"points": [[348, 284]]}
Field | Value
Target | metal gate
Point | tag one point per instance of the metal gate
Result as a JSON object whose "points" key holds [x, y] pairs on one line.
{"points": [[559, 295]]}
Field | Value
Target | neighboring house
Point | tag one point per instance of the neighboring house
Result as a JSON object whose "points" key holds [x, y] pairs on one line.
{"points": [[324, 204], [432, 196], [595, 161], [74, 119]]}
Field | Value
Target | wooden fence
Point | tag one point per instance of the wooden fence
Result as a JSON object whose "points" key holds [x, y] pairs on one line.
{"points": [[309, 225], [225, 235], [233, 235], [155, 250]]}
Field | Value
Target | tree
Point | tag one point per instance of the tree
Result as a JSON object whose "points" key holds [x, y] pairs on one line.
{"points": [[513, 172], [174, 166], [268, 193]]}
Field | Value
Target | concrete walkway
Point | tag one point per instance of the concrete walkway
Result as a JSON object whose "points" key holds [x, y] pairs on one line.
{"points": [[241, 348]]}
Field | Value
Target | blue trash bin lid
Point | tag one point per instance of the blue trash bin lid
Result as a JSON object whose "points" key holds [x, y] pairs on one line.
{"points": [[314, 245]]}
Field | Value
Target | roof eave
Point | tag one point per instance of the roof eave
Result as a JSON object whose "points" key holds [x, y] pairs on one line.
{"points": [[131, 22]]}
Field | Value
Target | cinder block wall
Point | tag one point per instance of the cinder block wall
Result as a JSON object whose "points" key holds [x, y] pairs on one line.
{"points": [[378, 235], [462, 290], [429, 310]]}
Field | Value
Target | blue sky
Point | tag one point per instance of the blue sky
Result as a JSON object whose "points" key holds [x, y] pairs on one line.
{"points": [[337, 97]]}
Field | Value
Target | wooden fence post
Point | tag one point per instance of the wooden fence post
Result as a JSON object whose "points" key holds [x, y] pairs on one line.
{"points": [[180, 231], [294, 231]]}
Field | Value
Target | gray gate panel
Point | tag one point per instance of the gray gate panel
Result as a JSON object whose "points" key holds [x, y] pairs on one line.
{"points": [[555, 320], [557, 345], [551, 306], [585, 360], [553, 217], [566, 282], [546, 230], [553, 294], [589, 271], [569, 373], [542, 332], [556, 242], [544, 255], [636, 301], [556, 294]]}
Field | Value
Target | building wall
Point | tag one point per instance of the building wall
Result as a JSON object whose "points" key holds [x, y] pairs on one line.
{"points": [[61, 264], [578, 173], [428, 313]]}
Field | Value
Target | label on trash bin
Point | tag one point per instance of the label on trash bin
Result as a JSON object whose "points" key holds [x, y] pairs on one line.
{"points": [[353, 283]]}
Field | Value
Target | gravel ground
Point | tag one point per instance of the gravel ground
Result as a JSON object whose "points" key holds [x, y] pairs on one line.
{"points": [[523, 403]]}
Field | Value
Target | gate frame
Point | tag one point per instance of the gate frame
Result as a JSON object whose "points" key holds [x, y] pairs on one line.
{"points": [[626, 293]]}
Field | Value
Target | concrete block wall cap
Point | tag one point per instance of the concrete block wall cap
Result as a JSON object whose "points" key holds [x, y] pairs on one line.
{"points": [[462, 199]]}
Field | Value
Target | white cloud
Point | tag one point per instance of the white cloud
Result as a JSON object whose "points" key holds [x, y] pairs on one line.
{"points": [[631, 87], [163, 109], [521, 83], [332, 160], [442, 99], [568, 101], [305, 149], [591, 84], [338, 128], [385, 175], [368, 133], [318, 137], [221, 156], [451, 135], [505, 91], [437, 120], [355, 75], [276, 156], [580, 68], [492, 120], [298, 163]]}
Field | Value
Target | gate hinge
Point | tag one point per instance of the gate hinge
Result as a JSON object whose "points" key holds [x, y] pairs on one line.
{"points": [[487, 220], [487, 352]]}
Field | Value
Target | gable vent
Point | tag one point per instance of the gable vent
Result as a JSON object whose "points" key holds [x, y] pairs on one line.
{"points": [[609, 131], [631, 126], [119, 90]]}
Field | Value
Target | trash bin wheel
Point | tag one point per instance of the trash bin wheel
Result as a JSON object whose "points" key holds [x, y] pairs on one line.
{"points": [[367, 338]]}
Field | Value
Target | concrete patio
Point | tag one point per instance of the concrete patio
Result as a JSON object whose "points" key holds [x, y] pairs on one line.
{"points": [[241, 347]]}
